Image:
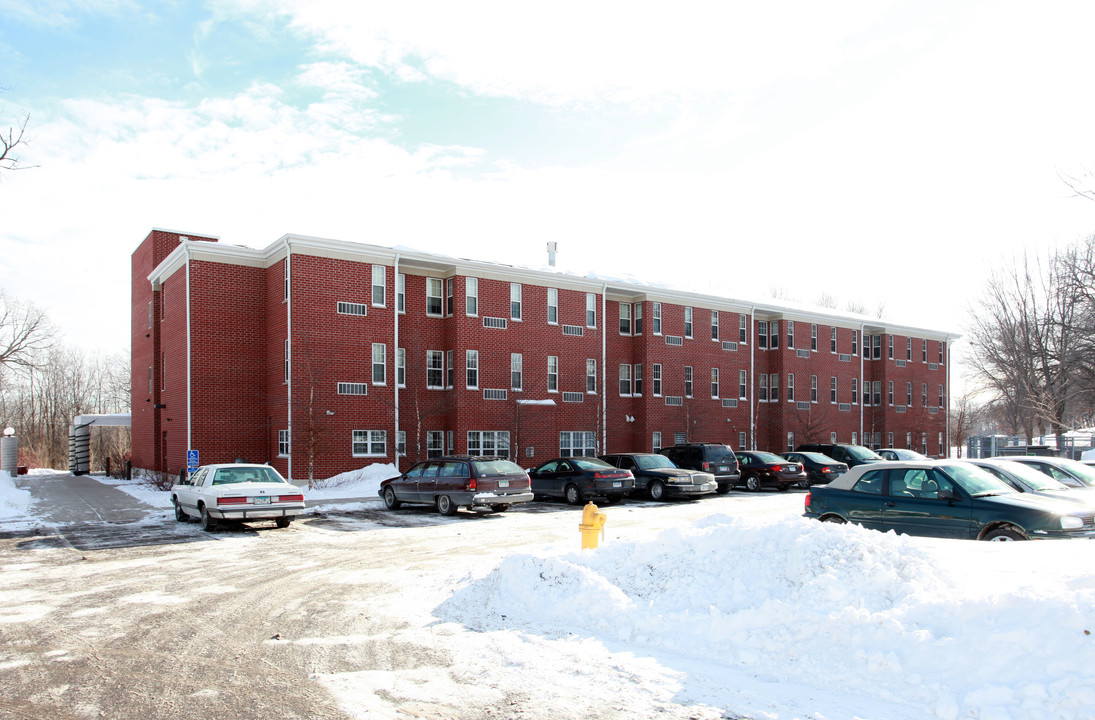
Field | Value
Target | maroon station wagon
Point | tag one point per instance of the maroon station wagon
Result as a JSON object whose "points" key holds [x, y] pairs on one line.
{"points": [[481, 484]]}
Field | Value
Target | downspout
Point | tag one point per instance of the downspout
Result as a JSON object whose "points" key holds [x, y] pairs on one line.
{"points": [[189, 420], [863, 392], [947, 409], [395, 360], [289, 347], [604, 367], [752, 378]]}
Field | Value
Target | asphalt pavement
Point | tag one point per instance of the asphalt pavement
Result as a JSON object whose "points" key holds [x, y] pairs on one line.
{"points": [[63, 498]]}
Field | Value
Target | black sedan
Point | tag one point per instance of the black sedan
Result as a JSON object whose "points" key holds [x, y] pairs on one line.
{"points": [[820, 469], [660, 478], [765, 469], [577, 479]]}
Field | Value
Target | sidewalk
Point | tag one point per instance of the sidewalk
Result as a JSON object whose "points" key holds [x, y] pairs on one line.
{"points": [[63, 498]]}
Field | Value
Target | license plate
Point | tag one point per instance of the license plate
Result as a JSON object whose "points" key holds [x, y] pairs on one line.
{"points": [[264, 500], [617, 483], [503, 483], [724, 468]]}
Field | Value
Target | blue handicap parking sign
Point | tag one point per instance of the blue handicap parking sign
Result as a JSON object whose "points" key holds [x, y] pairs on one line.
{"points": [[191, 460]]}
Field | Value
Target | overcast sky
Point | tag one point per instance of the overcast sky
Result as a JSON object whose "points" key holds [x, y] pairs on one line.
{"points": [[881, 152]]}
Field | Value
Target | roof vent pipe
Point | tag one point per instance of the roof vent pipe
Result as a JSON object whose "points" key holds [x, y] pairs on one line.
{"points": [[551, 248]]}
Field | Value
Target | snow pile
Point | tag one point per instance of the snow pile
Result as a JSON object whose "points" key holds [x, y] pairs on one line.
{"points": [[828, 608], [14, 503], [363, 482]]}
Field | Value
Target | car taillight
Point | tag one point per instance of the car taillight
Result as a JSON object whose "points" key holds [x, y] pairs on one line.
{"points": [[471, 486], [775, 468], [826, 469], [231, 500], [289, 498], [807, 499], [606, 475], [705, 465]]}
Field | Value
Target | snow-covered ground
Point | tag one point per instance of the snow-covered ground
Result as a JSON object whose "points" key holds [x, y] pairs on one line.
{"points": [[767, 615]]}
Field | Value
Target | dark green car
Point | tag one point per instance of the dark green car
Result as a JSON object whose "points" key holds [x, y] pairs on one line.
{"points": [[944, 499]]}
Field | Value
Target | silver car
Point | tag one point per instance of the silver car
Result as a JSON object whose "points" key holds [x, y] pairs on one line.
{"points": [[1026, 479]]}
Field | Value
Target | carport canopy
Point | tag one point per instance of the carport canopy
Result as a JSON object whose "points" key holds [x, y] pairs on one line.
{"points": [[79, 437]]}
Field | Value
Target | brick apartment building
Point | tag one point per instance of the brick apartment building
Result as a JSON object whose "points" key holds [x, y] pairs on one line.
{"points": [[322, 356]]}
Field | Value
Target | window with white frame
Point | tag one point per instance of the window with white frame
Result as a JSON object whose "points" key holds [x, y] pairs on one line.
{"points": [[942, 348], [889, 439], [369, 443], [743, 440], [450, 368], [790, 334], [516, 373], [855, 391], [924, 394], [637, 379], [890, 393], [637, 318], [435, 369], [380, 364], [762, 391], [688, 322], [553, 373], [743, 329], [433, 296], [855, 438], [876, 345], [832, 389], [625, 318], [163, 377], [380, 285], [855, 342], [553, 306], [790, 387], [591, 375], [471, 296], [514, 301], [449, 296], [908, 440], [908, 349], [813, 388], [656, 379], [908, 393], [832, 340], [625, 379], [450, 441], [283, 443], [743, 385], [577, 443], [489, 443], [149, 314], [941, 403], [401, 443], [813, 337], [762, 335], [832, 437], [591, 310], [149, 379], [714, 324], [656, 318], [941, 444], [773, 335], [889, 346], [773, 387], [688, 381], [923, 351], [877, 393], [401, 293], [435, 444], [714, 383], [471, 369], [401, 367], [790, 441], [656, 441]]}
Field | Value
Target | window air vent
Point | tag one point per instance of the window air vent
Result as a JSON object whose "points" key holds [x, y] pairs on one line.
{"points": [[574, 330], [491, 394], [495, 322], [674, 400], [674, 340]]}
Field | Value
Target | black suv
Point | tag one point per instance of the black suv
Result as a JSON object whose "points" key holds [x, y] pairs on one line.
{"points": [[715, 458], [850, 455]]}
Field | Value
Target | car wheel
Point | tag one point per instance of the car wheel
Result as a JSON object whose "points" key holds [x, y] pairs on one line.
{"points": [[209, 523], [573, 495], [179, 514], [804, 483], [499, 508], [752, 483], [390, 500], [445, 505], [282, 522], [657, 491], [833, 519], [1004, 534]]}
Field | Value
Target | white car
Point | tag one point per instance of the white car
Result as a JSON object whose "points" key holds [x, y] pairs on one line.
{"points": [[901, 454], [236, 492]]}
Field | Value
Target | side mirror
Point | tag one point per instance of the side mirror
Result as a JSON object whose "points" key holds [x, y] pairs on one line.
{"points": [[949, 495]]}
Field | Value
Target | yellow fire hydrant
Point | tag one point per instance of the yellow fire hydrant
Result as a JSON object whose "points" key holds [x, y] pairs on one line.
{"points": [[593, 524]]}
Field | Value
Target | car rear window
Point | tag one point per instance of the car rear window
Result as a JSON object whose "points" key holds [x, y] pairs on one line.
{"points": [[228, 476], [719, 454], [496, 468]]}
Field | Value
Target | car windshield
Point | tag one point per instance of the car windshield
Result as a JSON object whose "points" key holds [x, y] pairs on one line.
{"points": [[495, 468], [1035, 478], [259, 474], [861, 453], [817, 457], [910, 455], [1085, 473], [591, 464], [975, 481], [767, 457], [652, 462]]}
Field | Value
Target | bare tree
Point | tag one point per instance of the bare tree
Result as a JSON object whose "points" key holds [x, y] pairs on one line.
{"points": [[10, 143], [26, 334], [962, 415]]}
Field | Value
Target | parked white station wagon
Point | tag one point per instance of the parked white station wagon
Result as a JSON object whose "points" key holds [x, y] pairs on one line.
{"points": [[236, 492]]}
